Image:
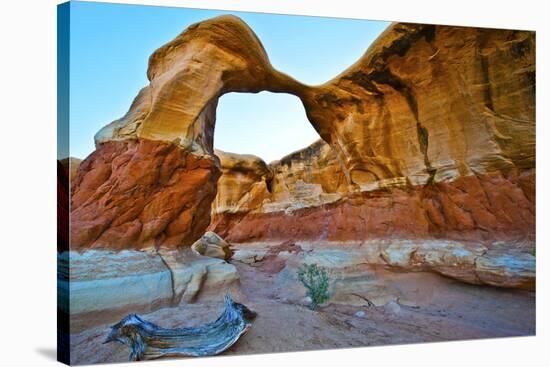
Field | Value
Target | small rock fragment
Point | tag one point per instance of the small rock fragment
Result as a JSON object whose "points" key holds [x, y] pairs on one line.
{"points": [[360, 314], [393, 307]]}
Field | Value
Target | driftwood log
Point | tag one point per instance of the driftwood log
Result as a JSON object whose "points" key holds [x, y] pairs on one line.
{"points": [[149, 341]]}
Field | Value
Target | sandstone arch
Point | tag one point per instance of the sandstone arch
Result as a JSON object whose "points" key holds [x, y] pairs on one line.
{"points": [[425, 104], [153, 175]]}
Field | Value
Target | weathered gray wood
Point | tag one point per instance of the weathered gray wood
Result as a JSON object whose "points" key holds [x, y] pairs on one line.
{"points": [[149, 341]]}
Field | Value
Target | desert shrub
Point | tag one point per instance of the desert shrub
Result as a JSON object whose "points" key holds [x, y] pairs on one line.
{"points": [[315, 280]]}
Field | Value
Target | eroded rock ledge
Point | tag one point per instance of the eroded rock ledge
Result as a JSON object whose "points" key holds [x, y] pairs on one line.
{"points": [[304, 197], [366, 271], [106, 285], [430, 133]]}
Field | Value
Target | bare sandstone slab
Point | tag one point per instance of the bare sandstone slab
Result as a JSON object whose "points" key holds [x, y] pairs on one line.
{"points": [[105, 285]]}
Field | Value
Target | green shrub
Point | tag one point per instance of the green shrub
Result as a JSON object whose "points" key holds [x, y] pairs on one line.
{"points": [[315, 280]]}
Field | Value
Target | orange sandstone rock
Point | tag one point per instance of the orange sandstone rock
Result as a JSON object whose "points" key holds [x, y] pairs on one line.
{"points": [[431, 103], [477, 208], [430, 133]]}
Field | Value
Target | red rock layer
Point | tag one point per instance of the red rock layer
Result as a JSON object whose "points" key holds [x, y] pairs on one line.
{"points": [[483, 208], [136, 194]]}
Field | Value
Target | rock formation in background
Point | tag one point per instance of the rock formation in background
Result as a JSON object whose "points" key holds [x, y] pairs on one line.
{"points": [[431, 134]]}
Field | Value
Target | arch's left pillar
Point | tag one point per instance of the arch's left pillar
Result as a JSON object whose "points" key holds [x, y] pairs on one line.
{"points": [[153, 175]]}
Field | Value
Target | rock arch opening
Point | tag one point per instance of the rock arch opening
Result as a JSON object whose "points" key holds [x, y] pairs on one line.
{"points": [[267, 125]]}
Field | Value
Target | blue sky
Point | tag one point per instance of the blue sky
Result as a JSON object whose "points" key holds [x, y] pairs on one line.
{"points": [[111, 43]]}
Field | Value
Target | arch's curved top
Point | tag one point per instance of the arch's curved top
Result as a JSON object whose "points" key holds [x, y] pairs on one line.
{"points": [[188, 75], [387, 91]]}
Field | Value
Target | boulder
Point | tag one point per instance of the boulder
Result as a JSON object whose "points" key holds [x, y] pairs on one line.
{"points": [[212, 245]]}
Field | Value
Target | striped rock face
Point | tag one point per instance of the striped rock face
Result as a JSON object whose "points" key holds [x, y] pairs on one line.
{"points": [[430, 134]]}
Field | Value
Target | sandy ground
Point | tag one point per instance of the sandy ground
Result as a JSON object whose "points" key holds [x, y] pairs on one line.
{"points": [[456, 311]]}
